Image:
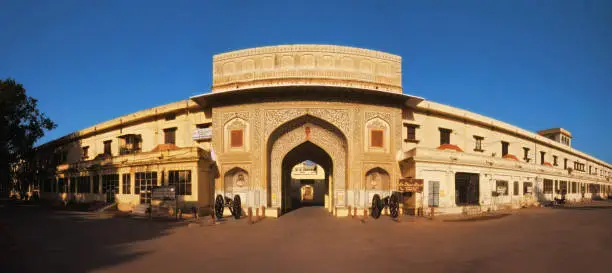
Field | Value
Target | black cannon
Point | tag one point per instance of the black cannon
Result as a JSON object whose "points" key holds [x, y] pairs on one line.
{"points": [[235, 206], [378, 204], [560, 201]]}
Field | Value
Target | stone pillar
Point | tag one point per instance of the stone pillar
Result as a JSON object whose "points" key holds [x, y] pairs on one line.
{"points": [[68, 184], [331, 194], [76, 186]]}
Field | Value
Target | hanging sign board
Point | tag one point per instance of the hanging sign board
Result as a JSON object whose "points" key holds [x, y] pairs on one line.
{"points": [[410, 185], [163, 201], [165, 193]]}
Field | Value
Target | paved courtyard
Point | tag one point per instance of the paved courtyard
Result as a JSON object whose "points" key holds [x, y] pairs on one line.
{"points": [[36, 239]]}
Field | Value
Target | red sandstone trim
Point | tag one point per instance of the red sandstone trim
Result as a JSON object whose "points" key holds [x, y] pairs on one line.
{"points": [[450, 147], [511, 156]]}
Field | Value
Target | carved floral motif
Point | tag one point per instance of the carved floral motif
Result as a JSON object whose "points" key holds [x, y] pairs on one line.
{"points": [[383, 115], [337, 117]]}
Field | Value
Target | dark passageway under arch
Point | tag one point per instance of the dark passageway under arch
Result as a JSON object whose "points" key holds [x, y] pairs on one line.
{"points": [[305, 151]]}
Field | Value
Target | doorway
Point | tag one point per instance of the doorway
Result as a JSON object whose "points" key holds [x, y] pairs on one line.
{"points": [[467, 189], [144, 183], [308, 184], [110, 187], [305, 179]]}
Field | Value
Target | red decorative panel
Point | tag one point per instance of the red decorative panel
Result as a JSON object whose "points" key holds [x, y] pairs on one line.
{"points": [[376, 138], [236, 137]]}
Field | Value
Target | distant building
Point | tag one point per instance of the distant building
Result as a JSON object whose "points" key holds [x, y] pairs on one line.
{"points": [[272, 108]]}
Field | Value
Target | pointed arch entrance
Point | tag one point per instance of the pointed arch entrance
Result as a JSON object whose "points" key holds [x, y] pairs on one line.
{"points": [[300, 138], [291, 189]]}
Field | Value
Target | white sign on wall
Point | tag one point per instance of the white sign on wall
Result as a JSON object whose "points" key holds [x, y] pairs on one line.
{"points": [[213, 155], [202, 133]]}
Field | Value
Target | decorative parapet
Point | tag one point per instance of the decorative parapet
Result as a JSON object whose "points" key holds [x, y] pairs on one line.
{"points": [[303, 65]]}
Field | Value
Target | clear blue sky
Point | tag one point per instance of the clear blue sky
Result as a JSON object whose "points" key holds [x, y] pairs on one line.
{"points": [[534, 64]]}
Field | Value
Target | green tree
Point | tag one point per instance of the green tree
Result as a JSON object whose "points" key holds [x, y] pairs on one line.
{"points": [[21, 125]]}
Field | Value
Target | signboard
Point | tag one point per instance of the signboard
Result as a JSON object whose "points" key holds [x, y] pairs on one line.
{"points": [[202, 133], [163, 201], [165, 193], [410, 185], [213, 155]]}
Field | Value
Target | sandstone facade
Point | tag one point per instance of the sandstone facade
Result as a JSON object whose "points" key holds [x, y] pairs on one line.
{"points": [[274, 107]]}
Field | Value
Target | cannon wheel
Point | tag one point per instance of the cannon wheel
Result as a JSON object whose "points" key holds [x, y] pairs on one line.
{"points": [[219, 206], [237, 211], [394, 206], [376, 206]]}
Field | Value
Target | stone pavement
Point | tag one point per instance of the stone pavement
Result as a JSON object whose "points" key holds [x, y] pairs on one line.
{"points": [[309, 240], [589, 204]]}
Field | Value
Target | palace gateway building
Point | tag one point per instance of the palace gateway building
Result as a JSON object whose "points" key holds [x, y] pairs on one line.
{"points": [[293, 125]]}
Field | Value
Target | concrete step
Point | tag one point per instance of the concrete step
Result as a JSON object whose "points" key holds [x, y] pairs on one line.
{"points": [[140, 210]]}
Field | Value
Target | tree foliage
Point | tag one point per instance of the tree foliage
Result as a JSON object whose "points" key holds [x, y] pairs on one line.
{"points": [[21, 125]]}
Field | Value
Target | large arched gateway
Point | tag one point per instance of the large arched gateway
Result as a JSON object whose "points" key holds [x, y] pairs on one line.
{"points": [[306, 138], [274, 107], [337, 113]]}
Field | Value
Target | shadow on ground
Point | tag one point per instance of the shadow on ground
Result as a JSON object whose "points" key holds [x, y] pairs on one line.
{"points": [[478, 218], [39, 239]]}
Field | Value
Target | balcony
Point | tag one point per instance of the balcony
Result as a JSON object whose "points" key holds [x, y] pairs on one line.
{"points": [[137, 158], [128, 150]]}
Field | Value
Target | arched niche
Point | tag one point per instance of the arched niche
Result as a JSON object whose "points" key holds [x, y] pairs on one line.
{"points": [[237, 182], [378, 179]]}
